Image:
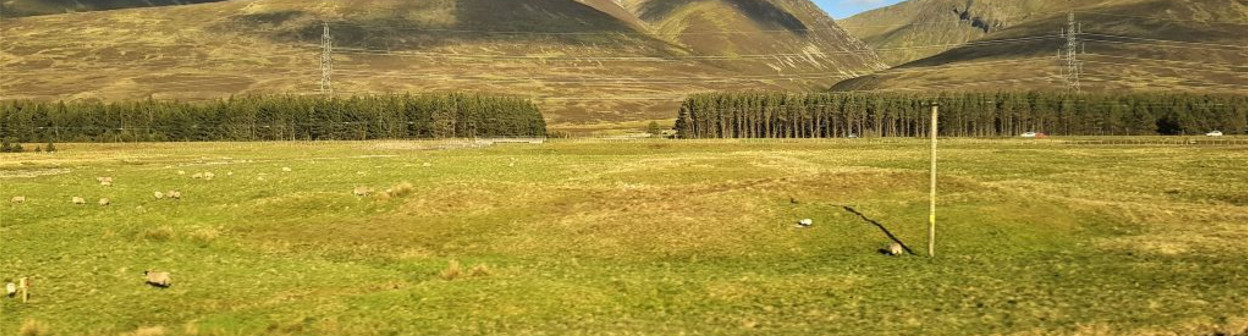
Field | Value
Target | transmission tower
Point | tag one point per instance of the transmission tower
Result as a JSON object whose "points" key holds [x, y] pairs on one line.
{"points": [[327, 62], [1071, 67]]}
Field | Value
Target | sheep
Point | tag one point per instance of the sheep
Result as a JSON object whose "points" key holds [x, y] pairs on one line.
{"points": [[18, 199], [362, 191], [79, 200], [158, 279], [175, 195], [105, 181], [105, 202], [208, 176], [894, 249], [805, 223], [181, 172], [197, 176], [10, 288], [287, 169], [158, 195]]}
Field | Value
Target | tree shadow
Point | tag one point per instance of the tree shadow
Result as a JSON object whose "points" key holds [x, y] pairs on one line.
{"points": [[880, 226]]}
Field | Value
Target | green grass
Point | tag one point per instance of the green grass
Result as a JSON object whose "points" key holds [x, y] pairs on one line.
{"points": [[645, 237]]}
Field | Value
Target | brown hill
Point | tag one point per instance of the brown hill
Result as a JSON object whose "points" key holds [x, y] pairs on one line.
{"points": [[586, 61], [999, 44]]}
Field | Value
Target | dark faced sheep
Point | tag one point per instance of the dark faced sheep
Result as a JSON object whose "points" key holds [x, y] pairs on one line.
{"points": [[18, 199], [79, 200]]}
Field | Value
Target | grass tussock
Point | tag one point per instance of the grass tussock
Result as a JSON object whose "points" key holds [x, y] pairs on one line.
{"points": [[403, 189], [32, 327], [480, 270], [158, 234], [453, 271], [204, 237], [148, 331]]}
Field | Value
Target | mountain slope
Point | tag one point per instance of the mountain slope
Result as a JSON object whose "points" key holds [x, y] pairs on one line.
{"points": [[585, 60], [17, 8], [1130, 44]]}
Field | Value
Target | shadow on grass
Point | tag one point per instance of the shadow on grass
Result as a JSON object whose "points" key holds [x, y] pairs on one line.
{"points": [[880, 226]]}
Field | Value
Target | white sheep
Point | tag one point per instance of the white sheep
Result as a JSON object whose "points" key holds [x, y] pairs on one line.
{"points": [[18, 199], [895, 249], [79, 200], [105, 202], [158, 279], [287, 169], [158, 195], [362, 191], [175, 195], [197, 176]]}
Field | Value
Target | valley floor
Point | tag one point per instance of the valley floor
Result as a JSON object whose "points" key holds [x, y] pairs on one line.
{"points": [[637, 237]]}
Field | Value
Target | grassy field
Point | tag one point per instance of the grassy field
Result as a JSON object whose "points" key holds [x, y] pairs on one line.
{"points": [[625, 238]]}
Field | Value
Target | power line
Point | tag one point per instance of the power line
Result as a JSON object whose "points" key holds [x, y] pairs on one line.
{"points": [[1199, 44], [673, 58], [1164, 19], [1169, 67], [1199, 64]]}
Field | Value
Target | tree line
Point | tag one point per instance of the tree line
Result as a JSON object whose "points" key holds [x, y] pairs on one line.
{"points": [[270, 118], [819, 115]]}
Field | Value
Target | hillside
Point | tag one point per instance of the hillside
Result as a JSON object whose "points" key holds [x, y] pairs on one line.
{"points": [[17, 8], [586, 62], [991, 44]]}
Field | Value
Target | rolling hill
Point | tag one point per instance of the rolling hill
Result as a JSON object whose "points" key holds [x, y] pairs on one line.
{"points": [[584, 61], [18, 8], [997, 44]]}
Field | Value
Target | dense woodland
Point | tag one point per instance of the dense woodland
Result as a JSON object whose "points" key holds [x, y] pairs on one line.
{"points": [[261, 118], [779, 115]]}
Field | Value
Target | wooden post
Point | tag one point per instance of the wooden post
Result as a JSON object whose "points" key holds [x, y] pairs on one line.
{"points": [[23, 285], [931, 219]]}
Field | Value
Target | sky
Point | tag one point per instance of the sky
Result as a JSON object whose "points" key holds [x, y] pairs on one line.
{"points": [[840, 9]]}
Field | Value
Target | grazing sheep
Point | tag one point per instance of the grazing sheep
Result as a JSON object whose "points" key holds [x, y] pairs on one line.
{"points": [[158, 279], [18, 199], [79, 200], [175, 195], [10, 288], [229, 174], [286, 169], [197, 176], [895, 249], [362, 191], [181, 172], [208, 176], [105, 202], [158, 195], [805, 223]]}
